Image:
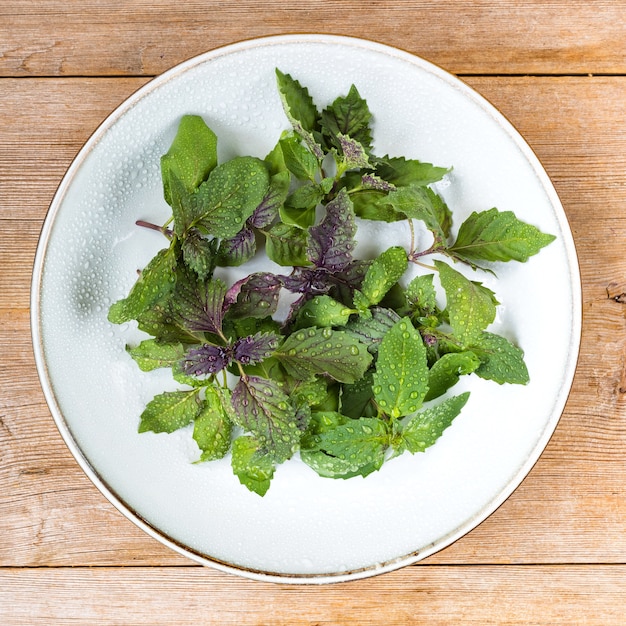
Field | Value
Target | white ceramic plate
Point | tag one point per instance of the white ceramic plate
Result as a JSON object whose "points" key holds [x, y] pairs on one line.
{"points": [[306, 529]]}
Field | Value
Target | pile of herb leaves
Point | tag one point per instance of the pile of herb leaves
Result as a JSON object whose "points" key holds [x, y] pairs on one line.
{"points": [[360, 370]]}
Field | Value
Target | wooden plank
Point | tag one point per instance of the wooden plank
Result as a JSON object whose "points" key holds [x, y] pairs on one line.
{"points": [[570, 509], [106, 37], [437, 595]]}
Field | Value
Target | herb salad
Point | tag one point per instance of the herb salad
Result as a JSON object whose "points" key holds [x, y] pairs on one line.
{"points": [[363, 365]]}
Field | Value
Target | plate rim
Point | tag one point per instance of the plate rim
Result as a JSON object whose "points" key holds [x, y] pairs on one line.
{"points": [[124, 507]]}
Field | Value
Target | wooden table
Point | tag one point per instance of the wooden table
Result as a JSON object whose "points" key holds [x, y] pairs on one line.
{"points": [[555, 552]]}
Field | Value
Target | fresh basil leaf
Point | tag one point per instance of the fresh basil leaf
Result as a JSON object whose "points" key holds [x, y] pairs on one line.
{"points": [[384, 273], [286, 245], [151, 354], [264, 410], [497, 236], [421, 295], [322, 311], [313, 351], [238, 249], [298, 159], [372, 204], [212, 428], [357, 400], [470, 308], [170, 411], [422, 430], [199, 253], [205, 360], [254, 296], [372, 330], [160, 322], [445, 372], [230, 196], [268, 211], [354, 154], [156, 281], [402, 172], [252, 467], [423, 204], [501, 361], [348, 116], [255, 348], [300, 110], [330, 243], [401, 378], [191, 156]]}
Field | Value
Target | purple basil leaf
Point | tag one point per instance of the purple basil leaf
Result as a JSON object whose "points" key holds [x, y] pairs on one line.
{"points": [[199, 303], [254, 296], [347, 280], [237, 249], [207, 359], [332, 241], [255, 348], [267, 212], [307, 280], [264, 410]]}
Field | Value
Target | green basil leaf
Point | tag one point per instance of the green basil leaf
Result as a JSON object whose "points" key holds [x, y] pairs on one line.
{"points": [[422, 430], [254, 469], [470, 307], [322, 311], [445, 372], [497, 236], [230, 196], [383, 273], [313, 351], [402, 172], [212, 428], [151, 354], [170, 411], [501, 361], [401, 378], [191, 157], [286, 245]]}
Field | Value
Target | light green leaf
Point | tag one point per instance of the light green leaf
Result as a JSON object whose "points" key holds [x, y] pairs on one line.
{"points": [[422, 295], [151, 354], [212, 428], [501, 361], [312, 351], [156, 281], [384, 273], [253, 469], [191, 157], [422, 430], [298, 159], [402, 172], [445, 372], [322, 311], [170, 411], [470, 307], [401, 378], [497, 236]]}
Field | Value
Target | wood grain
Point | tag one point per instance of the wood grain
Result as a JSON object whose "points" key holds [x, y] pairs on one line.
{"points": [[145, 37], [437, 595]]}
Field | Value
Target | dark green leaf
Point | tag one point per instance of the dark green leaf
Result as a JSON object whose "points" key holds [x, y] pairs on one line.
{"points": [[348, 116], [423, 204], [286, 245], [371, 330], [422, 296], [402, 172], [383, 273], [357, 400], [298, 159], [230, 196], [313, 351], [372, 204], [199, 253]]}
